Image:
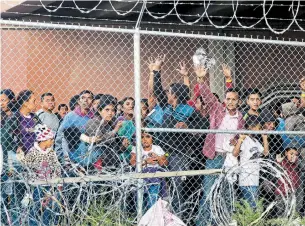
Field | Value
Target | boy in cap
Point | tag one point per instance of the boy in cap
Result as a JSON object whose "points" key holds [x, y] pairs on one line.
{"points": [[43, 165]]}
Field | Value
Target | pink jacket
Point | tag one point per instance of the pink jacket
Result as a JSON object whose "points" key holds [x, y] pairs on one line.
{"points": [[192, 102], [216, 112]]}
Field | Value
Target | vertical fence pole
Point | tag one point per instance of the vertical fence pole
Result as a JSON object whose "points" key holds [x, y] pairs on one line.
{"points": [[137, 82], [137, 78]]}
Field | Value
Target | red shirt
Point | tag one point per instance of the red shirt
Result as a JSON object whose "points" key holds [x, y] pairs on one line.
{"points": [[293, 174]]}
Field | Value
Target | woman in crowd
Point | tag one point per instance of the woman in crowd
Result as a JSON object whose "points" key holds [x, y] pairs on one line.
{"points": [[18, 132], [128, 128], [96, 101], [102, 135], [17, 135], [7, 100]]}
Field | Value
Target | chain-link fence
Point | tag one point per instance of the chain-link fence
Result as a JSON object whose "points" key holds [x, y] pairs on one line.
{"points": [[208, 106]]}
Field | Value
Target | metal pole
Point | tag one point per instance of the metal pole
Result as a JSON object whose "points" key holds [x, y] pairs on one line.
{"points": [[137, 82], [137, 74]]}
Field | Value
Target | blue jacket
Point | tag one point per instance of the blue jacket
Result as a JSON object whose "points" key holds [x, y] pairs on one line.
{"points": [[177, 143], [286, 139], [67, 141]]}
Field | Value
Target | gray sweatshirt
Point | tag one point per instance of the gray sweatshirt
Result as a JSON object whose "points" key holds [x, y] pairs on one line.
{"points": [[50, 119]]}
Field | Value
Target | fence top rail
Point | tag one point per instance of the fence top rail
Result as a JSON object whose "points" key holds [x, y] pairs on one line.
{"points": [[127, 176], [43, 25], [222, 131]]}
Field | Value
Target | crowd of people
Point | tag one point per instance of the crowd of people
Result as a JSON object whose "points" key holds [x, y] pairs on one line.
{"points": [[96, 134]]}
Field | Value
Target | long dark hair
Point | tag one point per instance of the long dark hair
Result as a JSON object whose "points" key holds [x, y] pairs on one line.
{"points": [[123, 102], [23, 97], [12, 100], [73, 102], [125, 99], [62, 106], [105, 101]]}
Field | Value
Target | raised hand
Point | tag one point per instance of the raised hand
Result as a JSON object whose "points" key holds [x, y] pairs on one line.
{"points": [[201, 73], [183, 70], [150, 64], [226, 71], [95, 139], [159, 62]]}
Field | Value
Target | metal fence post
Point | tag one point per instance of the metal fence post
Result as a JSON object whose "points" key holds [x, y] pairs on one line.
{"points": [[137, 82], [137, 75]]}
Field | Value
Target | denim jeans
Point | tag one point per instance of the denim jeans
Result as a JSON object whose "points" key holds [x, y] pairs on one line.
{"points": [[45, 214], [204, 217], [250, 194], [152, 195], [178, 163]]}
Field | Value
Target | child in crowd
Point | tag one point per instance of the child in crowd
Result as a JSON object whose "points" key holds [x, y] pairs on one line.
{"points": [[43, 165], [291, 166], [249, 148], [153, 158]]}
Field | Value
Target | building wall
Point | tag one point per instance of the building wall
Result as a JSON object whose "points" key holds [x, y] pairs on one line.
{"points": [[66, 62]]}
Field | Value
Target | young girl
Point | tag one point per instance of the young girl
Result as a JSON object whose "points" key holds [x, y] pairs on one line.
{"points": [[249, 148], [43, 165], [153, 158]]}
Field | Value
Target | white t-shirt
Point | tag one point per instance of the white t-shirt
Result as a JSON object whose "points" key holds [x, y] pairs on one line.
{"points": [[249, 150], [146, 154], [229, 122]]}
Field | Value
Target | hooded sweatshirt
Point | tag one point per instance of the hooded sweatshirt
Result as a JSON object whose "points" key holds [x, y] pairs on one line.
{"points": [[293, 174]]}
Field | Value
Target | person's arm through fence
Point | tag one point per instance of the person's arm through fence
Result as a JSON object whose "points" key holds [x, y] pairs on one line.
{"points": [[226, 70], [158, 90], [207, 95]]}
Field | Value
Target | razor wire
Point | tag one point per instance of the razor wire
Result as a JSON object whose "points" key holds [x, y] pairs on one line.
{"points": [[266, 8], [102, 61]]}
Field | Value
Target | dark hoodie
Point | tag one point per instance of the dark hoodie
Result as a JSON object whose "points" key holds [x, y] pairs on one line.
{"points": [[178, 143]]}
